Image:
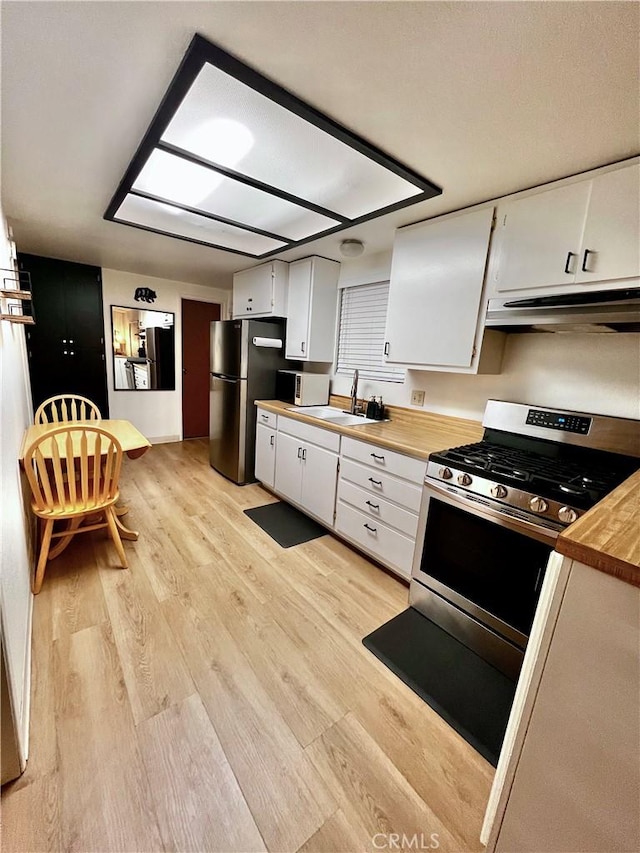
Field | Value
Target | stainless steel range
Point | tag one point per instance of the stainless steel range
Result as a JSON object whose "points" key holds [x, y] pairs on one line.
{"points": [[491, 513]]}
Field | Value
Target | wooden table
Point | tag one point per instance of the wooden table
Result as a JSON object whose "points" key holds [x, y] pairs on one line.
{"points": [[132, 440], [133, 443]]}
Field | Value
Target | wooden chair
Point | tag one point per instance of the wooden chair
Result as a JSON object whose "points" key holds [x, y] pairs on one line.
{"points": [[60, 467], [66, 407]]}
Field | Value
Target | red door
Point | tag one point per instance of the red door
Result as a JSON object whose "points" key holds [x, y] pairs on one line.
{"points": [[196, 317]]}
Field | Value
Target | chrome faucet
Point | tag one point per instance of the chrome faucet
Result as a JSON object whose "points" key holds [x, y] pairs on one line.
{"points": [[354, 394]]}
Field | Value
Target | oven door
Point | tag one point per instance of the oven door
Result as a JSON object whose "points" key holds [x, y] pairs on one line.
{"points": [[479, 570]]}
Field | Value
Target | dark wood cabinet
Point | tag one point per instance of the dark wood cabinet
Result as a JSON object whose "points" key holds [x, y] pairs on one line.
{"points": [[66, 345]]}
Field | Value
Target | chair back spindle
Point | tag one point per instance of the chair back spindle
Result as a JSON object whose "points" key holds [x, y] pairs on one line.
{"points": [[71, 469], [65, 408]]}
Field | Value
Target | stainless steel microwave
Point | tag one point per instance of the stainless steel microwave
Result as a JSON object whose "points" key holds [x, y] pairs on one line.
{"points": [[302, 389]]}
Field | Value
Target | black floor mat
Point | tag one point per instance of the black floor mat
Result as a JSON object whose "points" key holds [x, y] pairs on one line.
{"points": [[471, 695], [285, 524]]}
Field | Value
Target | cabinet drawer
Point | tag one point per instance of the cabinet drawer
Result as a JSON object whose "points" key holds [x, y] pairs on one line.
{"points": [[267, 418], [378, 483], [386, 545], [385, 460], [306, 432], [378, 509]]}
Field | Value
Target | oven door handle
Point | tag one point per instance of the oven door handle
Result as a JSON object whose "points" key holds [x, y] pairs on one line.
{"points": [[482, 506]]}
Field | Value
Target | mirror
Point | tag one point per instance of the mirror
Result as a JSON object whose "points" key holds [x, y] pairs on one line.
{"points": [[143, 349]]}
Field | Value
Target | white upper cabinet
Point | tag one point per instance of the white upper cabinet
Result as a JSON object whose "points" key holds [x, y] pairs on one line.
{"points": [[611, 241], [261, 291], [540, 238], [311, 309], [581, 232], [434, 315]]}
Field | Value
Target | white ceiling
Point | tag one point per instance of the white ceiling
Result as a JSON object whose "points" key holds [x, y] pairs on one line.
{"points": [[482, 98]]}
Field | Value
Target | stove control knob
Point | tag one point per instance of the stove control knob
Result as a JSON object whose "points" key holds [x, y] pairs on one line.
{"points": [[499, 491], [538, 504], [464, 480], [566, 514], [445, 473]]}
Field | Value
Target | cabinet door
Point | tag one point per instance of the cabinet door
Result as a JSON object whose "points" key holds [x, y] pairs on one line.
{"points": [[66, 345], [288, 480], [611, 242], [437, 275], [253, 291], [538, 238], [265, 468], [319, 482], [298, 310], [584, 731], [83, 305]]}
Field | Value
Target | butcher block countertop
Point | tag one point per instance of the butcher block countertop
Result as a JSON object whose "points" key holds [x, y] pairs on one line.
{"points": [[608, 536], [408, 431]]}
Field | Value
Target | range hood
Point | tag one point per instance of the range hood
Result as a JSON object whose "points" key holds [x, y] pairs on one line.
{"points": [[604, 311]]}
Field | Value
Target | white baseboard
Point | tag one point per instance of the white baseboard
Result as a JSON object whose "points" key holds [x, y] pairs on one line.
{"points": [[163, 439]]}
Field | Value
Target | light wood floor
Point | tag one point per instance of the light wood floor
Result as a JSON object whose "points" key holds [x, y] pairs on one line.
{"points": [[216, 696]]}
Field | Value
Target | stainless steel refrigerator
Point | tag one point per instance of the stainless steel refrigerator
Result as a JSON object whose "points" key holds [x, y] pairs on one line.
{"points": [[241, 373]]}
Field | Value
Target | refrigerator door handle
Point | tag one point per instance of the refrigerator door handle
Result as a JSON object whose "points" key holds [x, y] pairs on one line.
{"points": [[224, 378]]}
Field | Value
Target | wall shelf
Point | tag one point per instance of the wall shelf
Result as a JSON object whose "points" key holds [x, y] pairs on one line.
{"points": [[12, 299]]}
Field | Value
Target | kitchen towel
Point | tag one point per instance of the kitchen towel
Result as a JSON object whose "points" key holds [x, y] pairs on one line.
{"points": [[273, 343]]}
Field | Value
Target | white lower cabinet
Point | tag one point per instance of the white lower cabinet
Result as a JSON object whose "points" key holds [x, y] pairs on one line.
{"points": [[386, 545], [305, 472], [288, 471], [265, 467], [379, 493], [378, 509], [378, 490], [319, 471]]}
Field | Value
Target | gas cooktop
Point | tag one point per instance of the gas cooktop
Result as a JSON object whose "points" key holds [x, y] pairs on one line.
{"points": [[546, 463]]}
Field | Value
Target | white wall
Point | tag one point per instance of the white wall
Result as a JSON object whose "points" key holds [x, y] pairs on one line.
{"points": [[15, 523], [597, 373], [157, 414]]}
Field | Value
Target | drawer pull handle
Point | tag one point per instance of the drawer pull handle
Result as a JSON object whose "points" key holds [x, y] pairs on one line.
{"points": [[375, 482], [371, 529], [377, 456], [265, 417], [373, 506]]}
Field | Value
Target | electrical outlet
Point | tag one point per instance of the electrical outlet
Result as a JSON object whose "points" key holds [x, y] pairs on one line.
{"points": [[417, 398]]}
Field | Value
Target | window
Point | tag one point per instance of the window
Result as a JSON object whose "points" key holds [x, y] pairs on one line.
{"points": [[363, 311]]}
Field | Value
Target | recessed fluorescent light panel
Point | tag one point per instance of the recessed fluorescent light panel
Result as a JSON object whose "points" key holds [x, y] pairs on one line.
{"points": [[233, 161]]}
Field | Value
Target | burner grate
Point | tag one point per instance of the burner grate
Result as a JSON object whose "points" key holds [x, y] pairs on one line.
{"points": [[582, 482]]}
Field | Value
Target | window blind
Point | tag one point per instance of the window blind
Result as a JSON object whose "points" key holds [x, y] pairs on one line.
{"points": [[363, 311]]}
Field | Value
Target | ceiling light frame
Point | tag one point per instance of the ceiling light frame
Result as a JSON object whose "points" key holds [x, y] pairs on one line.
{"points": [[200, 53]]}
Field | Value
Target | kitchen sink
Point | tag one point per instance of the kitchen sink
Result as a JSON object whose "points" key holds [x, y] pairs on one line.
{"points": [[332, 415], [325, 413], [351, 420]]}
